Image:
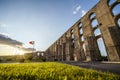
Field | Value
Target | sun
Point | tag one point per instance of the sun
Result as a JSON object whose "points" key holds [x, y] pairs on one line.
{"points": [[17, 51], [20, 52]]}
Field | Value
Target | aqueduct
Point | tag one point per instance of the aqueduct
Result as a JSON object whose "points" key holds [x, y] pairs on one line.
{"points": [[96, 32]]}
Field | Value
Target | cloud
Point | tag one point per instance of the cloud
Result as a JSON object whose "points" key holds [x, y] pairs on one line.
{"points": [[74, 12], [8, 41], [77, 9], [5, 40], [83, 12], [5, 34]]}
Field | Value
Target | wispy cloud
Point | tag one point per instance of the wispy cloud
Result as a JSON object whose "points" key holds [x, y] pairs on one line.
{"points": [[74, 12], [83, 12], [11, 42], [77, 9], [8, 41]]}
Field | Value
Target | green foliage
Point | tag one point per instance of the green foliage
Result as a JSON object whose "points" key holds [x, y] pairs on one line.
{"points": [[20, 58], [40, 59], [50, 71], [28, 56], [9, 59]]}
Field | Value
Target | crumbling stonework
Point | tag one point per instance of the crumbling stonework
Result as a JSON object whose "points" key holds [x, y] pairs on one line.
{"points": [[79, 43]]}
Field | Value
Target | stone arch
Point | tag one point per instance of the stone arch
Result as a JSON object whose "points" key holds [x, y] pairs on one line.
{"points": [[101, 46], [80, 25], [82, 38], [100, 42], [72, 31], [97, 32], [92, 15], [116, 9], [81, 31], [110, 2], [72, 35], [94, 23], [117, 20]]}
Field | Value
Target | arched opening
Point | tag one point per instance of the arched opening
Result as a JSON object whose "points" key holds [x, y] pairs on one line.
{"points": [[100, 42], [72, 31], [80, 25], [92, 15], [116, 9], [82, 38], [97, 32], [111, 2], [118, 22], [94, 23], [102, 49], [72, 36], [81, 31], [72, 40]]}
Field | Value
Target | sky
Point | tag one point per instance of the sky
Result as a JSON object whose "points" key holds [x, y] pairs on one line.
{"points": [[42, 21]]}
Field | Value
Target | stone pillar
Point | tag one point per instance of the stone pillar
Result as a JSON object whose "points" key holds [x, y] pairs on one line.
{"points": [[68, 54], [57, 57], [89, 48], [110, 31], [63, 52], [78, 53], [71, 51], [92, 49], [59, 53], [115, 34], [55, 51], [112, 40]]}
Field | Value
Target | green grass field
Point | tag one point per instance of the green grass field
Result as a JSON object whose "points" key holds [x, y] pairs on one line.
{"points": [[51, 71]]}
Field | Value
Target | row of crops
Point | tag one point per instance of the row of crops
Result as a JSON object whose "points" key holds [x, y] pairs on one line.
{"points": [[50, 71]]}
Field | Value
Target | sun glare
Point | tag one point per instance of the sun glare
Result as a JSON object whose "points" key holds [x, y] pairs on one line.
{"points": [[20, 52], [9, 50], [17, 51]]}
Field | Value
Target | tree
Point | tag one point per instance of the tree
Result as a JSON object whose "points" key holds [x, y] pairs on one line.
{"points": [[28, 56], [20, 58]]}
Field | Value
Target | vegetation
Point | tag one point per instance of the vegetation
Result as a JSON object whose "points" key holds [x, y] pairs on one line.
{"points": [[19, 58], [28, 57], [50, 71]]}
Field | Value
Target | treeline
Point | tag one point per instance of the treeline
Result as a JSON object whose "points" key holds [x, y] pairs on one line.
{"points": [[28, 57]]}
